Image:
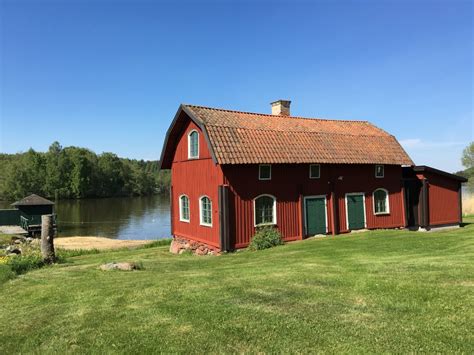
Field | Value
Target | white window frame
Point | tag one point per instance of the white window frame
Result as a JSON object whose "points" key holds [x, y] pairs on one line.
{"points": [[347, 212], [319, 170], [181, 218], [325, 211], [274, 219], [259, 176], [387, 202], [189, 144], [383, 171], [201, 222]]}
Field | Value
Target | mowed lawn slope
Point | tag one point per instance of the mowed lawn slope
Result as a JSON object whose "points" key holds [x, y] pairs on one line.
{"points": [[393, 291]]}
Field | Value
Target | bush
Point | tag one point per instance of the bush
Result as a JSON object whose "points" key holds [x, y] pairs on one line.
{"points": [[21, 264], [266, 237]]}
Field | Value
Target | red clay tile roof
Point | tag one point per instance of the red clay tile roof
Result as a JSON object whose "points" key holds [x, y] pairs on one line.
{"points": [[251, 138]]}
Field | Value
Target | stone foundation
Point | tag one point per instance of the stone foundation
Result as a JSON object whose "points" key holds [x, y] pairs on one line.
{"points": [[180, 245]]}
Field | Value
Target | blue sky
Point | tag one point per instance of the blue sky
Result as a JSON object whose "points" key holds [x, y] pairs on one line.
{"points": [[110, 75]]}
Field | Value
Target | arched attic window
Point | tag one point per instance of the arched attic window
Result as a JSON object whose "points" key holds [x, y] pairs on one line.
{"points": [[264, 207], [381, 204], [193, 144]]}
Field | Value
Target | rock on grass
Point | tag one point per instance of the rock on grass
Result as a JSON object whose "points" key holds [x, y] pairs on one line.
{"points": [[120, 266]]}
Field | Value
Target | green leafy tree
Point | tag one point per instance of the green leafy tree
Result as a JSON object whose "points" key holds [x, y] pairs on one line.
{"points": [[25, 175], [111, 181], [467, 160], [83, 173], [74, 172], [468, 156]]}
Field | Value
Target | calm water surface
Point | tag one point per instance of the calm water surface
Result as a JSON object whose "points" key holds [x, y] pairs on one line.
{"points": [[118, 218]]}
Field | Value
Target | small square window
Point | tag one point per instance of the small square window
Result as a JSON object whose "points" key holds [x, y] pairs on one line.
{"points": [[314, 171], [264, 172], [379, 171]]}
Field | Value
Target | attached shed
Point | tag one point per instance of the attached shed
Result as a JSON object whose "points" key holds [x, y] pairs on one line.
{"points": [[433, 197]]}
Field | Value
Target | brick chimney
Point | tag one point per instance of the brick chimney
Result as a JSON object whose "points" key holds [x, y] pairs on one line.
{"points": [[281, 107]]}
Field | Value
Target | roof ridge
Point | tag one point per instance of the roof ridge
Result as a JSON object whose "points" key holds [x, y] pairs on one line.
{"points": [[270, 115], [302, 131]]}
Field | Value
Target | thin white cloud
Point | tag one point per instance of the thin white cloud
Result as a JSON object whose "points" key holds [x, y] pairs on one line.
{"points": [[421, 144], [444, 155], [410, 142]]}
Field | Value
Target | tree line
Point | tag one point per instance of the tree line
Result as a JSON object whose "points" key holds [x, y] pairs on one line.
{"points": [[74, 172], [467, 160]]}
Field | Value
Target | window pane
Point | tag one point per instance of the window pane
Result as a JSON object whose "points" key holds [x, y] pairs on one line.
{"points": [[380, 197], [379, 170], [193, 144], [314, 170], [264, 210], [206, 211], [184, 208], [265, 171]]}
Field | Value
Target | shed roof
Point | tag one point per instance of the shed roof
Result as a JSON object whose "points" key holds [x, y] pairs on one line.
{"points": [[237, 137], [429, 169], [33, 200]]}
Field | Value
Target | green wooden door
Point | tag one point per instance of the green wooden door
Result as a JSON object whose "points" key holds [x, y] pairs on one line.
{"points": [[355, 211], [315, 215]]}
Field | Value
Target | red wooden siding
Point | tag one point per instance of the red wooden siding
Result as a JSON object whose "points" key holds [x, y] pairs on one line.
{"points": [[443, 200], [289, 182], [195, 178], [362, 179]]}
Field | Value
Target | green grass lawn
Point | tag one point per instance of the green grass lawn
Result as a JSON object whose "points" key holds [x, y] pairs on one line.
{"points": [[382, 291]]}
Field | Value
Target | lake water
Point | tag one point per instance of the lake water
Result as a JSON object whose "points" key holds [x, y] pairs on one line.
{"points": [[121, 217], [118, 218]]}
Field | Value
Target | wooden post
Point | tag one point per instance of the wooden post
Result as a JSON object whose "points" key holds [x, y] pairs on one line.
{"points": [[224, 228], [47, 238]]}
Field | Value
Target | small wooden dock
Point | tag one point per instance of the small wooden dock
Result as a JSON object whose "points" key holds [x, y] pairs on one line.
{"points": [[12, 230], [26, 217]]}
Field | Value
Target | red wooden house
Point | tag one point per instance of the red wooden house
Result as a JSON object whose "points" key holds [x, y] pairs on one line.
{"points": [[233, 171]]}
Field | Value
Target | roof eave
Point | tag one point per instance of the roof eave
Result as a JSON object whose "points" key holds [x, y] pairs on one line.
{"points": [[423, 168]]}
